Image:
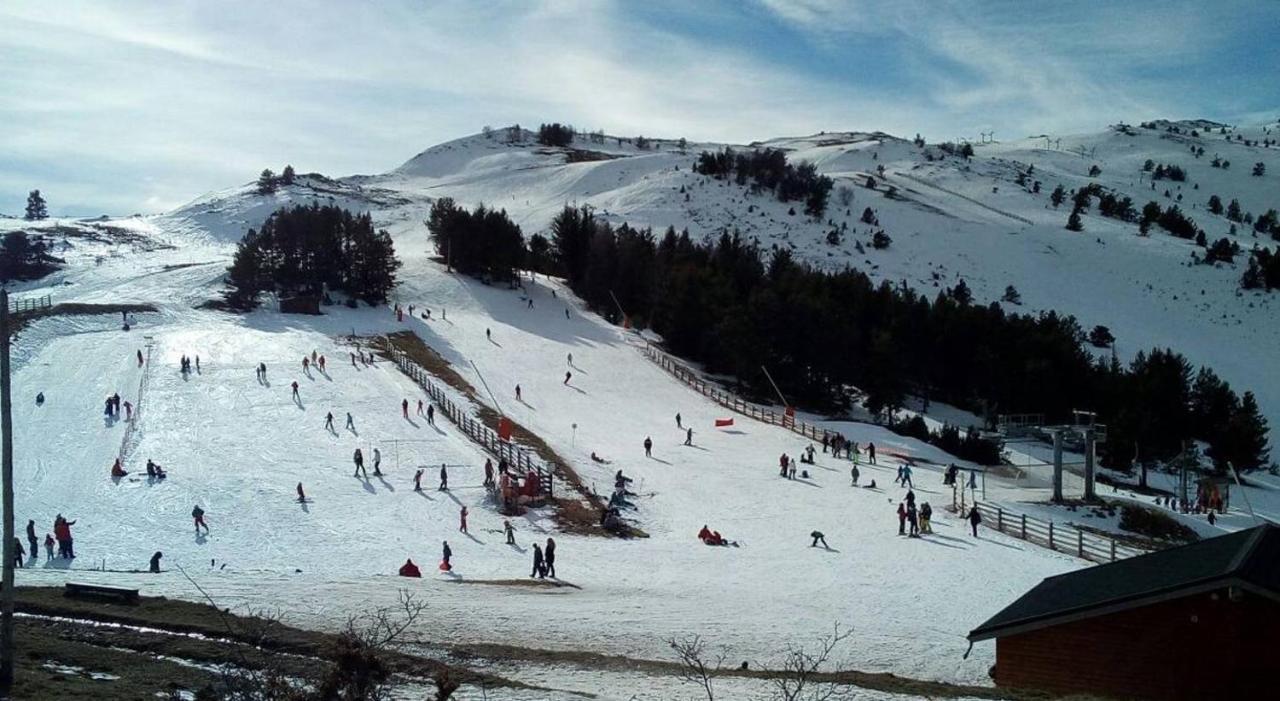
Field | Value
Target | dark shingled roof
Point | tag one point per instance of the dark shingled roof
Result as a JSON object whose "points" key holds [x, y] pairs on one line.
{"points": [[1249, 558]]}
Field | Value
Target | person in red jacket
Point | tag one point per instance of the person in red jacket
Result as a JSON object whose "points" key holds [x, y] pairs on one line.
{"points": [[117, 470], [408, 569], [902, 518]]}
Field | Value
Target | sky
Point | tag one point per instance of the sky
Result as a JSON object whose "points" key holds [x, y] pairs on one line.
{"points": [[117, 107]]}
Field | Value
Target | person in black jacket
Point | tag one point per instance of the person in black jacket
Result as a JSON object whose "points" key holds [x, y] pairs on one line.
{"points": [[155, 561], [539, 568], [974, 519], [549, 558]]}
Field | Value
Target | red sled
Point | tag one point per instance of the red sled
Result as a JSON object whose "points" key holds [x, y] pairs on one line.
{"points": [[445, 567], [720, 423]]}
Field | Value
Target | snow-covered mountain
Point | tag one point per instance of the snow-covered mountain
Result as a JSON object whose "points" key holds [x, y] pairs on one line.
{"points": [[949, 218]]}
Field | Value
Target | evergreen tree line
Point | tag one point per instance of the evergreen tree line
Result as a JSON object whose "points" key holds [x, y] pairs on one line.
{"points": [[484, 243], [767, 169], [36, 207], [555, 134], [25, 257], [1263, 272], [727, 305], [306, 249], [269, 181]]}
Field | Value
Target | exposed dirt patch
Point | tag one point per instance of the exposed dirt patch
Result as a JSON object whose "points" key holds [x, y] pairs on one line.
{"points": [[581, 514], [19, 321], [536, 583]]}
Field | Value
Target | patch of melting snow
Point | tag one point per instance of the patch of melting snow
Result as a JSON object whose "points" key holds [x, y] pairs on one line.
{"points": [[72, 670]]}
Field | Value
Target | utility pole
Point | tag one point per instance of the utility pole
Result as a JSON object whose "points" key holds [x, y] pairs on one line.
{"points": [[6, 454]]}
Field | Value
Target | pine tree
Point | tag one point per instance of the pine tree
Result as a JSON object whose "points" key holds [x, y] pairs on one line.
{"points": [[1058, 196], [1247, 436], [286, 177], [1074, 223], [266, 182], [1215, 204], [1259, 169], [36, 208], [1233, 211]]}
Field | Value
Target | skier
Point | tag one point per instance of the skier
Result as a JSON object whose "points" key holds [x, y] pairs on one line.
{"points": [[510, 531], [926, 513], [128, 411], [419, 407], [48, 547], [906, 477], [488, 472], [1212, 519], [571, 360], [974, 519], [431, 413], [313, 356], [302, 496], [902, 518], [688, 437], [853, 472], [826, 442], [462, 520], [444, 478], [819, 538], [539, 568], [139, 358], [678, 422], [444, 557], [115, 404], [377, 462], [296, 398], [197, 515], [306, 365], [871, 453], [913, 521], [321, 361], [328, 421], [530, 303], [549, 558], [518, 399], [566, 312], [404, 407], [898, 478], [417, 480], [567, 376], [155, 562], [648, 447], [489, 335], [262, 372], [106, 411], [197, 363], [358, 459], [351, 423], [31, 538]]}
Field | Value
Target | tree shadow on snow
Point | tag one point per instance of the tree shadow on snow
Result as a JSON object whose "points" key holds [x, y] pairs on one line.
{"points": [[659, 460]]}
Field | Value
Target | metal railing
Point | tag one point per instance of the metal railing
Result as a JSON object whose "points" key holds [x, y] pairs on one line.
{"points": [[730, 401], [30, 304], [1063, 538], [518, 457]]}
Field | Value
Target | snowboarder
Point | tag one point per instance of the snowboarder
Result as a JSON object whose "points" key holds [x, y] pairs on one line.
{"points": [[328, 421], [408, 569], [302, 496], [351, 423], [549, 558], [417, 480], [679, 424], [902, 518], [445, 555], [974, 519], [444, 478], [462, 520], [358, 459], [197, 515], [853, 472], [819, 538], [296, 398], [510, 531], [155, 562], [539, 568], [688, 437], [404, 407], [567, 376], [377, 462], [871, 453], [648, 447]]}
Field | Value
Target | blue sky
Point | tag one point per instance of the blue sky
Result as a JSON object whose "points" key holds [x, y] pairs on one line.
{"points": [[120, 107]]}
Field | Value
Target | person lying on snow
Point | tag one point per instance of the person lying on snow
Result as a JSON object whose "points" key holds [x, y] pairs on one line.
{"points": [[154, 470], [710, 537], [597, 458], [117, 470]]}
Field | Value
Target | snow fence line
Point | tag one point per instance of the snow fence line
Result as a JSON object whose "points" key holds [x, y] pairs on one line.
{"points": [[130, 440], [1069, 539], [30, 304], [730, 401], [966, 198], [518, 457]]}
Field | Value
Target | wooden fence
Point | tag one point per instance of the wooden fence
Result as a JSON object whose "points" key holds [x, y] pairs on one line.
{"points": [[730, 401], [30, 304], [1062, 538], [520, 459]]}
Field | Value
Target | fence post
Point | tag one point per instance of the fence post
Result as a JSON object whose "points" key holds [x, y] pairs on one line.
{"points": [[1024, 526], [1051, 536], [1000, 519], [1113, 549], [1080, 548]]}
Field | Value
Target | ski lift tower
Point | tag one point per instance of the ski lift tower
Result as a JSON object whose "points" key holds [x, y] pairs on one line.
{"points": [[1086, 432]]}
